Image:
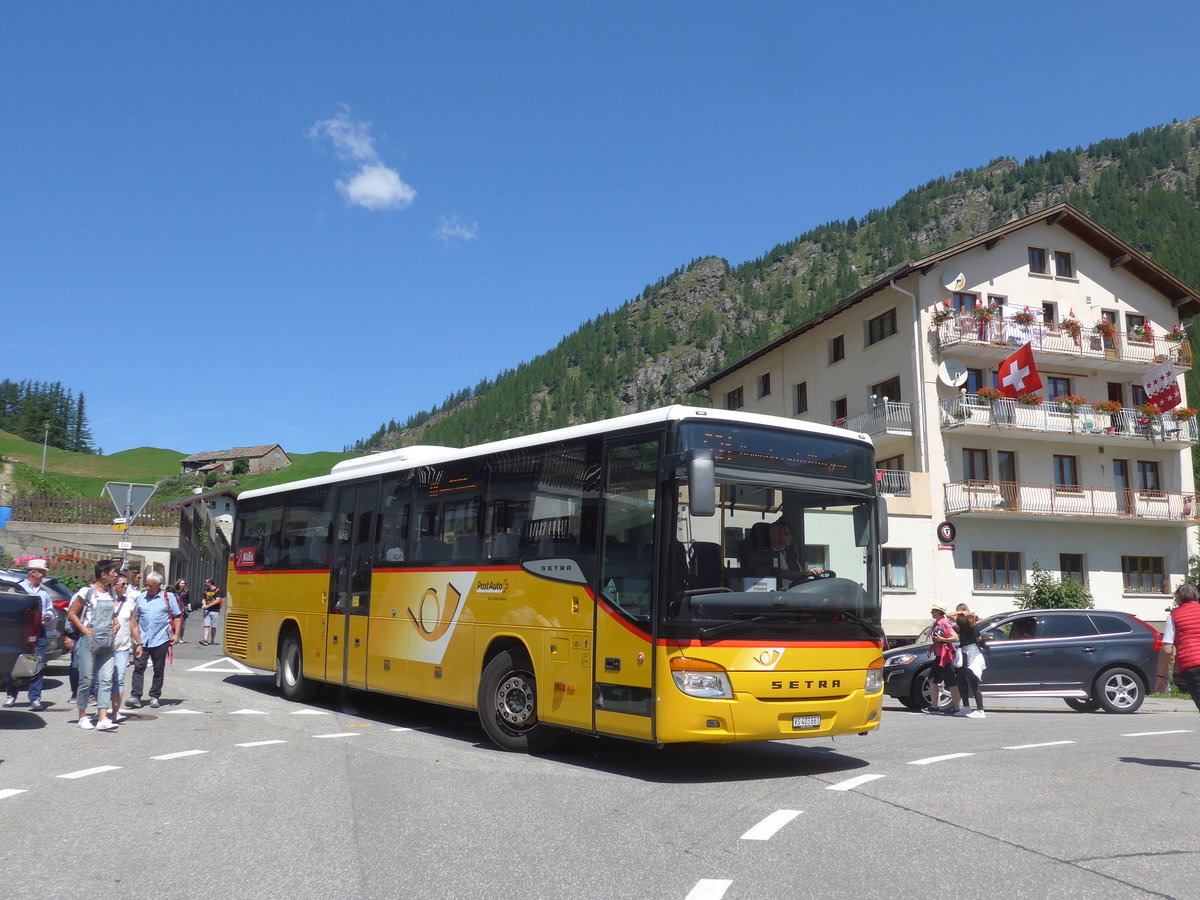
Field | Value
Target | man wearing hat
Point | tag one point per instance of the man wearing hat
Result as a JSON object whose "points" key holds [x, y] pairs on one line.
{"points": [[32, 584]]}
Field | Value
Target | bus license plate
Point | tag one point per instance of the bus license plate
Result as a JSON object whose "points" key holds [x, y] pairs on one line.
{"points": [[806, 721]]}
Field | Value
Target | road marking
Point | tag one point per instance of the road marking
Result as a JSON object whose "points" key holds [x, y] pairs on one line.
{"points": [[225, 665], [182, 712], [10, 792], [851, 783], [1031, 746], [260, 743], [710, 889], [311, 712], [84, 773], [340, 734], [933, 759], [1150, 733], [766, 829], [247, 712], [418, 728], [180, 754]]}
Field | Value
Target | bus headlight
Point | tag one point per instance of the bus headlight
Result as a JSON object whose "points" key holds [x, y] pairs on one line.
{"points": [[875, 677], [701, 678]]}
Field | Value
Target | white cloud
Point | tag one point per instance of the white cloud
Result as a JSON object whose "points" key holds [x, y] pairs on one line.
{"points": [[450, 229], [374, 185]]}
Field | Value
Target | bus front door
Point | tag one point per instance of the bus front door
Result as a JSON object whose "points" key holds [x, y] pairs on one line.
{"points": [[350, 585], [623, 653]]}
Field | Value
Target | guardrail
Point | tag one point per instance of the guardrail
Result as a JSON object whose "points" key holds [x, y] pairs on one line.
{"points": [[1009, 497], [971, 409], [889, 417]]}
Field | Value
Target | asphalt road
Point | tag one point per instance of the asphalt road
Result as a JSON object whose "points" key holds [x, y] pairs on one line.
{"points": [[228, 790]]}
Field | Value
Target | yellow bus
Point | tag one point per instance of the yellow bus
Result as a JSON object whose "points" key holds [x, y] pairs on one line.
{"points": [[681, 574]]}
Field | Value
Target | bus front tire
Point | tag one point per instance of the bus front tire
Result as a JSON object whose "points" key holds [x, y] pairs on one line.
{"points": [[289, 671], [507, 704]]}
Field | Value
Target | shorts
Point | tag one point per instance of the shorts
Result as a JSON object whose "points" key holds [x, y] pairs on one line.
{"points": [[942, 674], [212, 619]]}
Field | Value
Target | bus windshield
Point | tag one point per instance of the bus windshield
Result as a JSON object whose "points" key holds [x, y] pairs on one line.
{"points": [[776, 562]]}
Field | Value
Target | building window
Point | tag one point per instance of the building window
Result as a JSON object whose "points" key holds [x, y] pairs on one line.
{"points": [[800, 403], [1137, 395], [881, 327], [974, 381], [837, 349], [1058, 386], [1050, 313], [963, 302], [1148, 482], [1143, 574], [764, 385], [1116, 392], [733, 400], [1133, 324], [996, 300], [1066, 473], [1070, 565], [1037, 260], [839, 411], [996, 569], [894, 463], [895, 568], [1062, 265], [975, 465], [889, 389]]}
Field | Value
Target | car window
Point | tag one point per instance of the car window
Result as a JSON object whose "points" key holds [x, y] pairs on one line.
{"points": [[1111, 624], [1064, 626], [1019, 629]]}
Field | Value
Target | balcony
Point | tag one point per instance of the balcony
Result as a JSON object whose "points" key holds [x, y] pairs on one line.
{"points": [[1052, 420], [894, 482], [907, 493], [1033, 501], [1002, 336], [888, 417]]}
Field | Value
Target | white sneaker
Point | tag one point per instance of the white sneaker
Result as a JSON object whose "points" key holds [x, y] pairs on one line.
{"points": [[963, 713], [978, 714], [106, 725], [118, 717], [86, 724]]}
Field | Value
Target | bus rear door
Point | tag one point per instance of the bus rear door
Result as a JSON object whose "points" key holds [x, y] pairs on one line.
{"points": [[350, 585]]}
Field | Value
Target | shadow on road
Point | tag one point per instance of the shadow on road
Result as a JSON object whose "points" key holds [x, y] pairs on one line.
{"points": [[1161, 763]]}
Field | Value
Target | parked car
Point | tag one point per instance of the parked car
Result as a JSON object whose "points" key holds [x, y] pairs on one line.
{"points": [[10, 578], [1094, 659]]}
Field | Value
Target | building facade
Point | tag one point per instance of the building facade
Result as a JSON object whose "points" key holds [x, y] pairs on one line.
{"points": [[268, 458], [981, 490]]}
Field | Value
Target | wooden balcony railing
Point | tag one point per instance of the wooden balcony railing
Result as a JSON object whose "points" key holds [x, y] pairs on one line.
{"points": [[971, 409], [966, 329], [1011, 497]]}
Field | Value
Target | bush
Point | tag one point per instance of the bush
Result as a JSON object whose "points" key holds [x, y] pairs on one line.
{"points": [[241, 465], [1044, 591]]}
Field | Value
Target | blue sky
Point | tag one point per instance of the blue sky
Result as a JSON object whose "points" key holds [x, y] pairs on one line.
{"points": [[233, 224]]}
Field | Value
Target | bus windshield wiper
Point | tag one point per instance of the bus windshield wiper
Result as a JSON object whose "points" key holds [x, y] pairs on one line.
{"points": [[732, 626]]}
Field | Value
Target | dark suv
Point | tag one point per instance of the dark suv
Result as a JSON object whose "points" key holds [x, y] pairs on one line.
{"points": [[1093, 659]]}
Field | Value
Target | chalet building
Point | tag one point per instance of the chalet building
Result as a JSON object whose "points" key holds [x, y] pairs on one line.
{"points": [[262, 459], [1097, 485]]}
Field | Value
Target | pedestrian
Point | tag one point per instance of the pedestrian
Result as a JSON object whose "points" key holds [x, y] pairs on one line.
{"points": [[123, 645], [944, 638], [1181, 642], [180, 589], [213, 599], [35, 571], [969, 662], [93, 613], [155, 631]]}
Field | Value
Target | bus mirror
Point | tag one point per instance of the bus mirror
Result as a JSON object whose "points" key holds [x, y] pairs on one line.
{"points": [[702, 484], [883, 521]]}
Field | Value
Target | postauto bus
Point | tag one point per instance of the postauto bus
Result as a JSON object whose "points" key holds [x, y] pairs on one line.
{"points": [[613, 578]]}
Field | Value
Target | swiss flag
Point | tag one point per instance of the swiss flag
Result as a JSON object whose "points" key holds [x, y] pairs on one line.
{"points": [[1162, 387], [1018, 374]]}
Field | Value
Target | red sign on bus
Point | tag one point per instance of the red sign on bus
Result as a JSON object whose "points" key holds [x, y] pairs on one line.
{"points": [[245, 556]]}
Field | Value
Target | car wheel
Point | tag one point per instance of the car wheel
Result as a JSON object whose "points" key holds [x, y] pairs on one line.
{"points": [[508, 705], [1119, 691], [289, 671], [1080, 705], [920, 693]]}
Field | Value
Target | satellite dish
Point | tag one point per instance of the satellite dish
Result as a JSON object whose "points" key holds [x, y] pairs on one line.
{"points": [[952, 373], [954, 281]]}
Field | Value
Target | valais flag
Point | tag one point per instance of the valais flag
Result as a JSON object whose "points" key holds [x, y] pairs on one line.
{"points": [[1018, 374], [1162, 388]]}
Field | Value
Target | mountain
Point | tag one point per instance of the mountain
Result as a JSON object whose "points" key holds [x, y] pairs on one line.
{"points": [[651, 350]]}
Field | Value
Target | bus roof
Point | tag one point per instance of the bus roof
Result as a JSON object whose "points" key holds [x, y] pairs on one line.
{"points": [[422, 454]]}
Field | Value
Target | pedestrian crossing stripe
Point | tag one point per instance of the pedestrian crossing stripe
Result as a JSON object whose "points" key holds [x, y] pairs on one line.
{"points": [[224, 665]]}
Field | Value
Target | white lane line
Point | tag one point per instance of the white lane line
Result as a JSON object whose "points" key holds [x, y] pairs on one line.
{"points": [[311, 712], [340, 734], [10, 792], [851, 783], [182, 712], [710, 889], [259, 743], [247, 712], [933, 759], [84, 773], [1151, 733], [180, 754], [417, 728], [766, 829], [1031, 746]]}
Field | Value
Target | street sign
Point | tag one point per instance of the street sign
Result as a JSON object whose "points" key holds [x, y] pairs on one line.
{"points": [[128, 498], [124, 545]]}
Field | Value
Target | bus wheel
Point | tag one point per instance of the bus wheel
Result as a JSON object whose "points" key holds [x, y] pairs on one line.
{"points": [[508, 705], [289, 671]]}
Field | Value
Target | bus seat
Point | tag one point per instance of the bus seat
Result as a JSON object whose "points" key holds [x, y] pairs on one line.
{"points": [[706, 564], [504, 545], [465, 548], [431, 548]]}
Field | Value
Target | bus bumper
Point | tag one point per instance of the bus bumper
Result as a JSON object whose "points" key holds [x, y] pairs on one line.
{"points": [[747, 718]]}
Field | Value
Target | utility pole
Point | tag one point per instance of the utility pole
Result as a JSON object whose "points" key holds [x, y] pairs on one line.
{"points": [[45, 441]]}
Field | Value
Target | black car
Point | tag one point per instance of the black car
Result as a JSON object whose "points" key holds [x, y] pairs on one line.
{"points": [[62, 599], [1094, 659]]}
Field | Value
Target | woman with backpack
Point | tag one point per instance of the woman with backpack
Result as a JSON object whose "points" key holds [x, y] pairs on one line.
{"points": [[93, 613]]}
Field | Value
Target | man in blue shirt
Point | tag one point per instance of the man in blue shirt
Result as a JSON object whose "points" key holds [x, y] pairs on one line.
{"points": [[32, 584], [155, 629]]}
